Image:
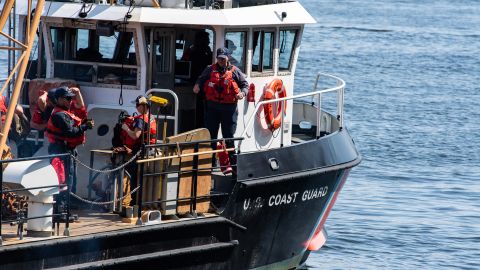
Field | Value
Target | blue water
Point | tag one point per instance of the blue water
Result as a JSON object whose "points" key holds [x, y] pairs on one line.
{"points": [[412, 70]]}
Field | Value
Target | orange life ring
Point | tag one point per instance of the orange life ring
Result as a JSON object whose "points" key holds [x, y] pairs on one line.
{"points": [[274, 121]]}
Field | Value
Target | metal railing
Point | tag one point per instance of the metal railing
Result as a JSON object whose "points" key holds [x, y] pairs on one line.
{"points": [[175, 97], [315, 94], [193, 169]]}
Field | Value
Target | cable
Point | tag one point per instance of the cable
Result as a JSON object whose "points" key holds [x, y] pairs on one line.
{"points": [[128, 15]]}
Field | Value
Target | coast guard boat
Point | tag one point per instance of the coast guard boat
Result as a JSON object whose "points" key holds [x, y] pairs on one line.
{"points": [[293, 151]]}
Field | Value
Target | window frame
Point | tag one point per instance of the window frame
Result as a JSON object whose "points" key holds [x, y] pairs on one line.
{"points": [[261, 72], [94, 82], [293, 52], [246, 47]]}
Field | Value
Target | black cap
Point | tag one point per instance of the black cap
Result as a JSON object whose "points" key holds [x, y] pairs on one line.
{"points": [[63, 92], [141, 100], [223, 53], [51, 95]]}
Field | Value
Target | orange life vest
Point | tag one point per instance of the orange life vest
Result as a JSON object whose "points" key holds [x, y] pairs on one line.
{"points": [[131, 142], [221, 88], [3, 107], [55, 135]]}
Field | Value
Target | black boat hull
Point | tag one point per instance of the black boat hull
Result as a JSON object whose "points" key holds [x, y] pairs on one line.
{"points": [[281, 199]]}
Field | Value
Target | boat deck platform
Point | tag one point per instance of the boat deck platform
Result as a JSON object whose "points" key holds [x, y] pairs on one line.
{"points": [[89, 222]]}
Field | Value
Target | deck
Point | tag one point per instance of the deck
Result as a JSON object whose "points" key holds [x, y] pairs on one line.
{"points": [[89, 222]]}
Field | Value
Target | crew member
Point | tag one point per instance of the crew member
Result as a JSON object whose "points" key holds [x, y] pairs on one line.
{"points": [[15, 134], [45, 105], [143, 129], [224, 84], [65, 131]]}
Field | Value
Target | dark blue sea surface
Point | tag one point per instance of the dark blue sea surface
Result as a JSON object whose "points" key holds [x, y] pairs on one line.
{"points": [[412, 70]]}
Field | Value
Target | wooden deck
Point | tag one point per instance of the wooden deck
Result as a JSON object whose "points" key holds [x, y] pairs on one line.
{"points": [[89, 222]]}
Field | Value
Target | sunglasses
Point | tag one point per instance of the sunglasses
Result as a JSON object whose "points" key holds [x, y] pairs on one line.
{"points": [[68, 98]]}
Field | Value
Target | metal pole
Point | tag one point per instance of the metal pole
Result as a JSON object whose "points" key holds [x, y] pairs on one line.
{"points": [[90, 176], [282, 104], [69, 161], [193, 203], [140, 190], [319, 114], [7, 8]]}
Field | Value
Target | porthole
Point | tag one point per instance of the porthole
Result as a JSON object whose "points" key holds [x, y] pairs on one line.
{"points": [[102, 130]]}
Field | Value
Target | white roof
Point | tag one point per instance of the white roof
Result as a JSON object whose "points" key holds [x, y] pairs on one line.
{"points": [[247, 16]]}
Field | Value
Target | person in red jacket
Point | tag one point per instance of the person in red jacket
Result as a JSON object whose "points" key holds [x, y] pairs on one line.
{"points": [[143, 129], [65, 131], [45, 105], [14, 135], [224, 85]]}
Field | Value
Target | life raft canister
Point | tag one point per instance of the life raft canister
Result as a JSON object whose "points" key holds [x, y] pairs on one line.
{"points": [[274, 121]]}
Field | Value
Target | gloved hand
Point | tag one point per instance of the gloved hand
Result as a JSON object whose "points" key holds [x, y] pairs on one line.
{"points": [[89, 123], [240, 95]]}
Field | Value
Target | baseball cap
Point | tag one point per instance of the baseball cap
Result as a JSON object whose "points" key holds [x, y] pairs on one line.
{"points": [[63, 92], [223, 53], [51, 94], [141, 100]]}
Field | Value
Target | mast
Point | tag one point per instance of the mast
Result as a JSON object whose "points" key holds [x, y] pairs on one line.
{"points": [[22, 62]]}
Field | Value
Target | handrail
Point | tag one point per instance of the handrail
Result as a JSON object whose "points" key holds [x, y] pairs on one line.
{"points": [[175, 97], [339, 88], [96, 64]]}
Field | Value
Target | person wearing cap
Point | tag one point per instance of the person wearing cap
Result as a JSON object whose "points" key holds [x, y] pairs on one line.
{"points": [[224, 85], [143, 129], [65, 130], [45, 105]]}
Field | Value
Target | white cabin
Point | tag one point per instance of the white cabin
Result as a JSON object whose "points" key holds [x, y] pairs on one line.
{"points": [[114, 51]]}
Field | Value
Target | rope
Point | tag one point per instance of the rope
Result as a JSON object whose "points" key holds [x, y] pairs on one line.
{"points": [[109, 170], [104, 203]]}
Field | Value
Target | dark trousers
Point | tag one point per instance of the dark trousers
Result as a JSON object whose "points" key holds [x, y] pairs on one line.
{"points": [[224, 116]]}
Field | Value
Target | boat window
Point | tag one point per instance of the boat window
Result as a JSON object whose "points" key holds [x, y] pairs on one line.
{"points": [[263, 42], [286, 48], [193, 53], [236, 43], [82, 55]]}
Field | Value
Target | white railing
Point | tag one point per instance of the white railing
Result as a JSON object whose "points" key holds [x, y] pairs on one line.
{"points": [[315, 94], [175, 112]]}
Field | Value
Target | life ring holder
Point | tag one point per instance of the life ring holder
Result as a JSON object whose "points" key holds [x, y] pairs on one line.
{"points": [[274, 121]]}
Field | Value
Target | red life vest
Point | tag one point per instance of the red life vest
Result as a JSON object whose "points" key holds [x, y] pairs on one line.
{"points": [[221, 88], [55, 135], [133, 143], [126, 139], [3, 107]]}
